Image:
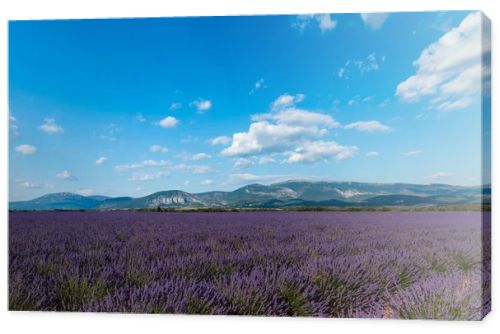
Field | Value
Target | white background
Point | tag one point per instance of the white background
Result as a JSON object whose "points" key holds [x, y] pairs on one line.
{"points": [[45, 322]]}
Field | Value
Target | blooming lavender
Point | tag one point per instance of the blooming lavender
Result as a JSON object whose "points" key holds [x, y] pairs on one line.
{"points": [[330, 264]]}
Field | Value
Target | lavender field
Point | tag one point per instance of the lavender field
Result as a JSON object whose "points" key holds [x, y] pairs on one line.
{"points": [[383, 265]]}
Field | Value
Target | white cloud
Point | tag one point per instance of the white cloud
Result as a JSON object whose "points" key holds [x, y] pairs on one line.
{"points": [[264, 137], [412, 153], [51, 127], [449, 69], [372, 154], [368, 126], [287, 100], [314, 151], [200, 156], [101, 160], [438, 175], [66, 176], [299, 117], [281, 130], [221, 140], [266, 160], [155, 163], [158, 149], [207, 182], [324, 22], [26, 149], [169, 122], [30, 185], [374, 20], [368, 64], [193, 157], [202, 105], [243, 163], [175, 106], [454, 105], [258, 85]]}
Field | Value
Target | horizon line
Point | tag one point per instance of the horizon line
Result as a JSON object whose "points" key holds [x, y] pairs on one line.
{"points": [[261, 184]]}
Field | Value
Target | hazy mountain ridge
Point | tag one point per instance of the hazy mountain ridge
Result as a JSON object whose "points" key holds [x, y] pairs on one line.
{"points": [[277, 195]]}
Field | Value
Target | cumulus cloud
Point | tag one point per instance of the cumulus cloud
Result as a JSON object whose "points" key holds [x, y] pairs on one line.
{"points": [[298, 117], [26, 149], [313, 151], [221, 140], [66, 176], [374, 20], [372, 154], [449, 70], [50, 127], [158, 149], [324, 22], [169, 122], [101, 160], [243, 163], [202, 105], [412, 153], [284, 129], [368, 126], [287, 100], [265, 137]]}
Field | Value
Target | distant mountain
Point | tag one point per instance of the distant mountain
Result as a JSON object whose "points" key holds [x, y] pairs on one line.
{"points": [[278, 195], [67, 201]]}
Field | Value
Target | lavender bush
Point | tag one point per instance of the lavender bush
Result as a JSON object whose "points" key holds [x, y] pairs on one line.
{"points": [[384, 265]]}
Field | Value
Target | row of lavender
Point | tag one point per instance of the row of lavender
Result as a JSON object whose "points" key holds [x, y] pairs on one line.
{"points": [[390, 265]]}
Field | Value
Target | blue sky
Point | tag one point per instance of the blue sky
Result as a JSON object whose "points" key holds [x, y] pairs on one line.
{"points": [[134, 106]]}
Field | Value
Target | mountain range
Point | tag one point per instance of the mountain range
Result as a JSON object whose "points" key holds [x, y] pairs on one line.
{"points": [[289, 194]]}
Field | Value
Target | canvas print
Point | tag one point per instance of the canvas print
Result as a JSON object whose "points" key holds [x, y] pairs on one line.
{"points": [[322, 165]]}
